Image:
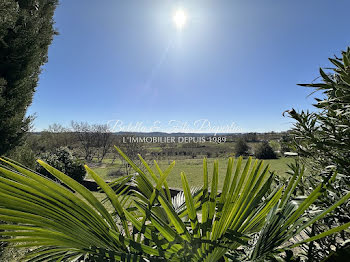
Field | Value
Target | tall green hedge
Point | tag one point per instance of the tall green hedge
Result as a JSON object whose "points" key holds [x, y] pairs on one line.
{"points": [[26, 31]]}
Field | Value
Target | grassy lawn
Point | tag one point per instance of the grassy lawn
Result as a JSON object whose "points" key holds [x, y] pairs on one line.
{"points": [[104, 171], [193, 168]]}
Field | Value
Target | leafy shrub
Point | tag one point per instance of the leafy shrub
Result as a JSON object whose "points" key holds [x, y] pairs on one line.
{"points": [[241, 147], [63, 160], [285, 143], [248, 214], [24, 155], [324, 135], [276, 146], [323, 138], [265, 151]]}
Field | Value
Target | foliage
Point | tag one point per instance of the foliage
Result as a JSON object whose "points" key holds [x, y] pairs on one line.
{"points": [[250, 137], [26, 31], [285, 141], [325, 135], [63, 160], [341, 255], [265, 151], [144, 225], [241, 147], [56, 136], [275, 144], [24, 154], [324, 138]]}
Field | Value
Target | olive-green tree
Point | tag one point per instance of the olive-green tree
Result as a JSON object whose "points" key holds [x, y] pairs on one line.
{"points": [[323, 137]]}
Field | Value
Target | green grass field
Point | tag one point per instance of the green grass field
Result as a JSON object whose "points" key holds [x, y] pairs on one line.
{"points": [[193, 168]]}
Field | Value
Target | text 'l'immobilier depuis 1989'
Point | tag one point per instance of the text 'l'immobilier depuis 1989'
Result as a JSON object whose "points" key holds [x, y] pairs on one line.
{"points": [[164, 139]]}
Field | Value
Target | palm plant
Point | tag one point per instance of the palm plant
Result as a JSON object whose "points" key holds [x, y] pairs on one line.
{"points": [[66, 222]]}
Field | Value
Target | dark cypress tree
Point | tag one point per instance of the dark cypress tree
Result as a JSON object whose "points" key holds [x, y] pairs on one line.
{"points": [[241, 147], [265, 151], [26, 31]]}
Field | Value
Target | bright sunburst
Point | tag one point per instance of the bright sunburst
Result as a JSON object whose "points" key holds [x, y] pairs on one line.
{"points": [[180, 19]]}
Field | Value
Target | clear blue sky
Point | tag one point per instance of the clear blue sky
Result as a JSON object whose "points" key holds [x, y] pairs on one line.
{"points": [[234, 61]]}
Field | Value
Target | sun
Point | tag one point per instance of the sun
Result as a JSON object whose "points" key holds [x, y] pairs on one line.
{"points": [[180, 19]]}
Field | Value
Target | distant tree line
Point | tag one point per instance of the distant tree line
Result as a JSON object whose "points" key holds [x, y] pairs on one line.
{"points": [[93, 143]]}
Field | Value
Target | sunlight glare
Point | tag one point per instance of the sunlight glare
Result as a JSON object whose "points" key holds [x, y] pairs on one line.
{"points": [[180, 19]]}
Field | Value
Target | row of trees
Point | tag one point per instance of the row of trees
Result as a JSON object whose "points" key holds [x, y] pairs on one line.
{"points": [[94, 143], [84, 142], [88, 141]]}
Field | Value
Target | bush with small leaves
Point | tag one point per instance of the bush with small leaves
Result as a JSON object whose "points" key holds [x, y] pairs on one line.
{"points": [[241, 147], [265, 151], [322, 137], [63, 160]]}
